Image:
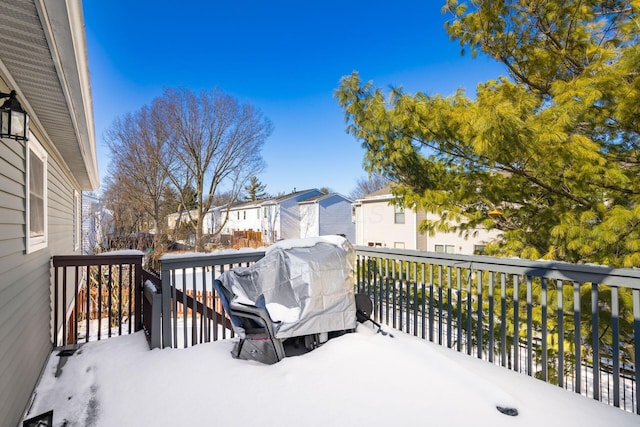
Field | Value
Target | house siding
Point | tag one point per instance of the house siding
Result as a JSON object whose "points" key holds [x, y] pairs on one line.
{"points": [[25, 279], [335, 217], [309, 226]]}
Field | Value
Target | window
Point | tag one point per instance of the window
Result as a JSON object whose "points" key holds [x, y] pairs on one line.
{"points": [[478, 249], [36, 216], [448, 249], [398, 245], [399, 217], [244, 214], [77, 220]]}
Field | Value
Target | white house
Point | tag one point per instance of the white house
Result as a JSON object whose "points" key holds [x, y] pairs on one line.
{"points": [[181, 217], [242, 216], [299, 214], [97, 224], [380, 222], [326, 214]]}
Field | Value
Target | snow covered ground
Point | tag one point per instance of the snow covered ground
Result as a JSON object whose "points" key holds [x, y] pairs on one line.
{"points": [[357, 379]]}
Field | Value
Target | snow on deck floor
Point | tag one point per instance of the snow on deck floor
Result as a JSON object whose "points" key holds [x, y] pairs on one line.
{"points": [[357, 379]]}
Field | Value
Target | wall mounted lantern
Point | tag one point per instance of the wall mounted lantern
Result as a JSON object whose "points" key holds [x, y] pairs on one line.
{"points": [[14, 121]]}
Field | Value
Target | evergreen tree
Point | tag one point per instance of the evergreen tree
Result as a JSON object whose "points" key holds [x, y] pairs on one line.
{"points": [[254, 189], [552, 151]]}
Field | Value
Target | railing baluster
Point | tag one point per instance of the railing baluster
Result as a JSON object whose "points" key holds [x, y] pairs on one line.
{"points": [[415, 299], [449, 308], [377, 278], [431, 313], [516, 323], [440, 313], [204, 318], [529, 327], [424, 301], [174, 299], [400, 296], [393, 282], [543, 298], [194, 311], [459, 307], [184, 309], [577, 340], [479, 312], [595, 342], [407, 297], [503, 319], [383, 300], [615, 332], [491, 320], [469, 311], [560, 320], [635, 295]]}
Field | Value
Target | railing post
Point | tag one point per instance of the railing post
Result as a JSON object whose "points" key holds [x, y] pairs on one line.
{"points": [[166, 306], [138, 296]]}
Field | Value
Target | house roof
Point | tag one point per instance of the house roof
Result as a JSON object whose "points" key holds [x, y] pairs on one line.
{"points": [[319, 197], [44, 59], [376, 196], [278, 199], [267, 201]]}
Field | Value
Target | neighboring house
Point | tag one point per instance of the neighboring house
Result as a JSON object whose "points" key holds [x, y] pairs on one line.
{"points": [[326, 214], [380, 222], [179, 218], [97, 225], [281, 215], [275, 218], [43, 58], [242, 216]]}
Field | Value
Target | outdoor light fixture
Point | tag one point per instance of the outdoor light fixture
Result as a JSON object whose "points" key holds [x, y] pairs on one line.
{"points": [[14, 121]]}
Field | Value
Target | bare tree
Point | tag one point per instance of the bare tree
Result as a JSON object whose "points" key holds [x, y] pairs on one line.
{"points": [[139, 149], [368, 184], [215, 146], [127, 214]]}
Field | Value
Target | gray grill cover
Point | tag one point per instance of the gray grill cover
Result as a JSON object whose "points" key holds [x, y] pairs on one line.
{"points": [[307, 285]]}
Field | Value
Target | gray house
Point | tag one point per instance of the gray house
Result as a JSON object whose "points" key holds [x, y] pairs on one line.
{"points": [[43, 59], [327, 214]]}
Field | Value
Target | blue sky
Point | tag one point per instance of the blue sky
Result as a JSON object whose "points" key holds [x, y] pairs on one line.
{"points": [[284, 57]]}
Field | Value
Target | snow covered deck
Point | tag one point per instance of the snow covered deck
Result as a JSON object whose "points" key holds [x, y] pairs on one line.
{"points": [[361, 378]]}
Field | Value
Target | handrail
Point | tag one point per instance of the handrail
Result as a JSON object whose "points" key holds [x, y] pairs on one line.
{"points": [[188, 264], [105, 274], [475, 303]]}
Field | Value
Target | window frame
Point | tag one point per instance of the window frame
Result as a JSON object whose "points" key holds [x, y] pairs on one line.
{"points": [[444, 249], [399, 214], [39, 242]]}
